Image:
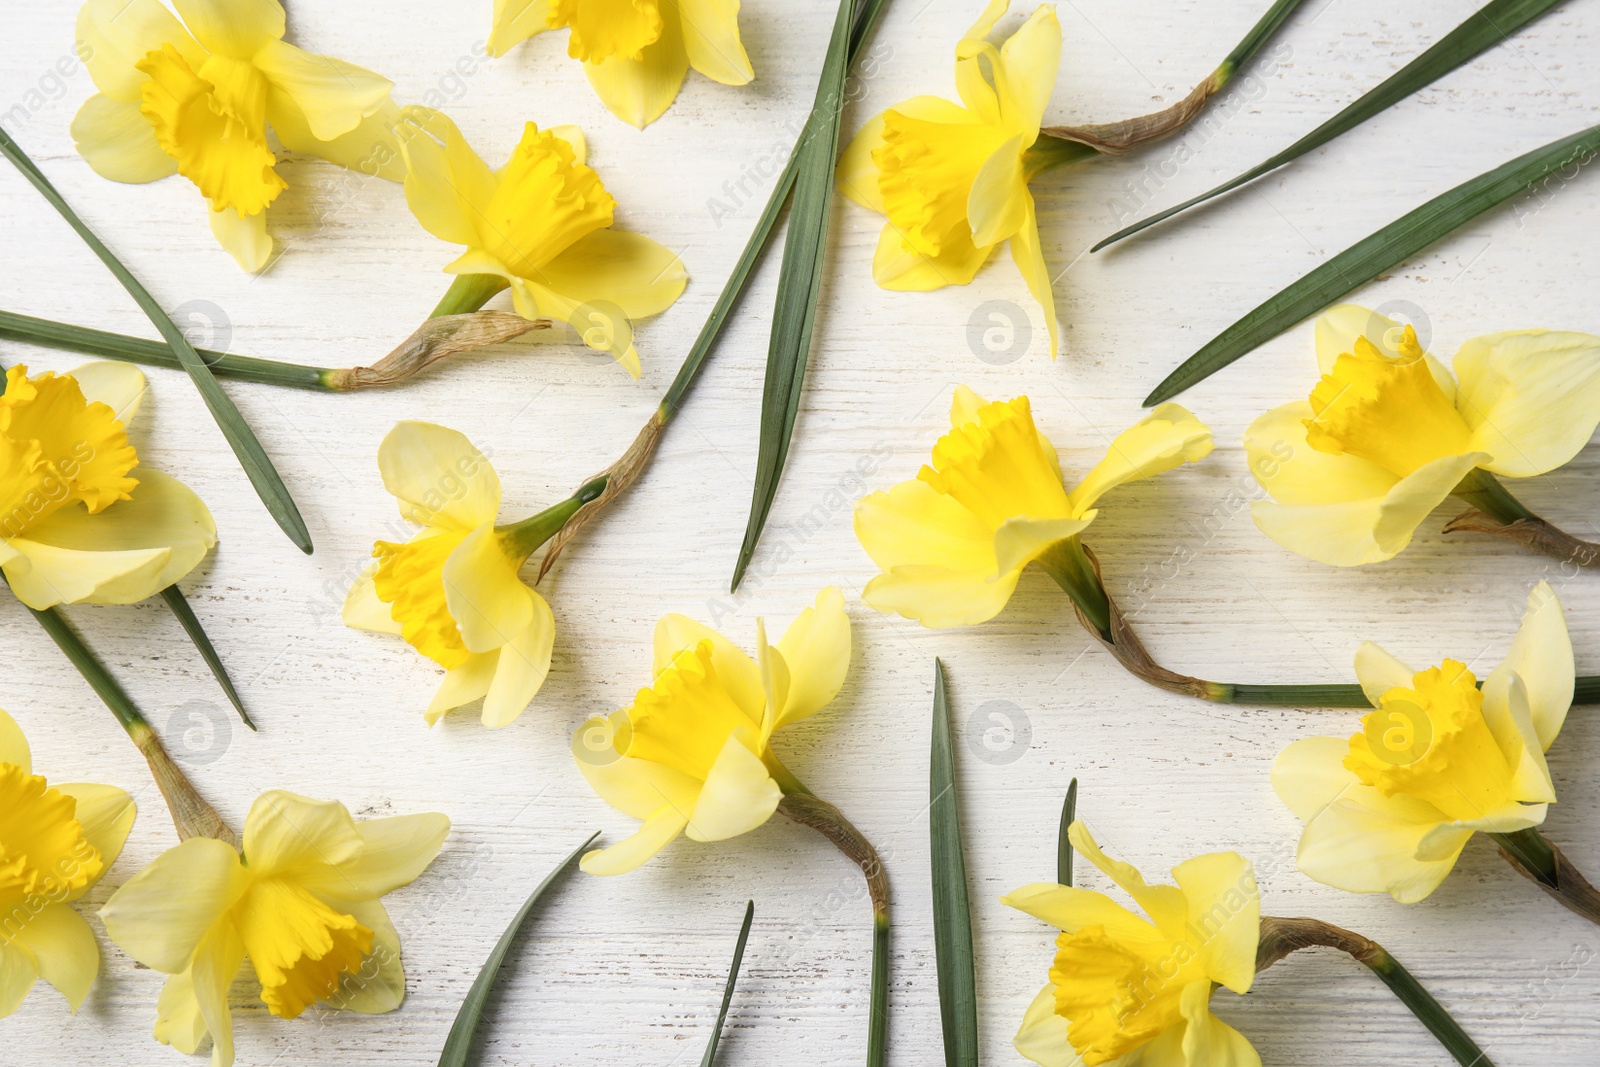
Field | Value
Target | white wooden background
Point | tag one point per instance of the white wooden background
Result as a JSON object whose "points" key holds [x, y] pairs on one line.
{"points": [[630, 970]]}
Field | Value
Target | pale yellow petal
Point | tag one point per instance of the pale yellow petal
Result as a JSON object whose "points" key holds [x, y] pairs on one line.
{"points": [[14, 745], [1042, 1037], [447, 183], [816, 651], [364, 611], [487, 600], [736, 671], [902, 269], [1207, 1039], [462, 685], [1070, 909], [1293, 472], [597, 326], [106, 814], [1028, 254], [1168, 437], [1310, 774], [390, 853], [114, 35], [371, 149], [633, 786], [178, 1019], [1339, 327], [18, 973], [522, 667], [639, 91], [629, 853], [216, 963], [379, 985], [914, 524], [245, 239], [439, 477], [1352, 533], [997, 202], [119, 386], [286, 832], [1019, 542], [1365, 842], [972, 51], [939, 598], [711, 38], [1541, 654], [1506, 713], [1163, 903], [515, 21], [237, 28], [63, 949], [161, 915], [334, 96], [1224, 913], [113, 137], [1380, 672], [1531, 397], [738, 795], [1026, 76], [638, 275]]}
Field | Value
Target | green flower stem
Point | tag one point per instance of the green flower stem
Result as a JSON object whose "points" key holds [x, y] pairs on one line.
{"points": [[527, 536], [190, 813], [1280, 937], [468, 293], [1066, 562], [1485, 492], [806, 808]]}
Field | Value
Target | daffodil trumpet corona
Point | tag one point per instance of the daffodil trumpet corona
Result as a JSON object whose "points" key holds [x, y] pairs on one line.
{"points": [[1441, 757], [1128, 988], [953, 542], [1388, 433], [298, 896], [693, 754]]}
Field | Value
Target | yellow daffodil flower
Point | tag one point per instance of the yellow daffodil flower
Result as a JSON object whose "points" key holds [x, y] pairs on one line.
{"points": [[56, 842], [953, 541], [195, 98], [635, 52], [693, 754], [1132, 989], [80, 520], [542, 223], [1388, 433], [952, 179], [453, 591], [302, 903], [1390, 809]]}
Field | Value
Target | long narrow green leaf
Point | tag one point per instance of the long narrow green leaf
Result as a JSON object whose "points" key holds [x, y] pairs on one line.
{"points": [[61, 335], [799, 281], [1373, 255], [179, 606], [1484, 28], [252, 457], [88, 664], [952, 913], [733, 980], [1069, 811], [458, 1046]]}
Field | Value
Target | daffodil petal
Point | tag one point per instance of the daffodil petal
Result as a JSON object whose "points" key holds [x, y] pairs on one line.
{"points": [[913, 523], [488, 601], [515, 21], [439, 477], [1541, 654], [711, 38], [640, 276], [390, 853], [1355, 532], [1445, 840], [237, 28], [1506, 713], [1531, 397], [1029, 62], [113, 137], [1206, 1038], [639, 91], [1310, 774], [1293, 472], [364, 611], [1042, 1037], [857, 172], [119, 386], [1365, 842], [1019, 542], [161, 914], [1380, 672], [901, 269], [816, 652], [18, 973], [114, 35], [1070, 909], [629, 853], [14, 745], [1338, 329], [1168, 437], [974, 89], [286, 832], [178, 1019], [245, 239], [379, 986], [596, 326], [1225, 910], [735, 669], [462, 685], [523, 665], [447, 183], [1163, 903], [216, 964], [635, 787], [334, 96], [371, 148], [996, 205], [63, 949], [738, 795], [1028, 254], [47, 575], [938, 597], [106, 814]]}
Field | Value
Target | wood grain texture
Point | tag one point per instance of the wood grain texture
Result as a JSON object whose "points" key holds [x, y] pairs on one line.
{"points": [[630, 970]]}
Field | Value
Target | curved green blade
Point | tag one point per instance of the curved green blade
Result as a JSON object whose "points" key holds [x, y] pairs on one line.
{"points": [[952, 912], [733, 980], [1370, 257], [252, 457], [458, 1046], [179, 606], [1484, 28], [1069, 811]]}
